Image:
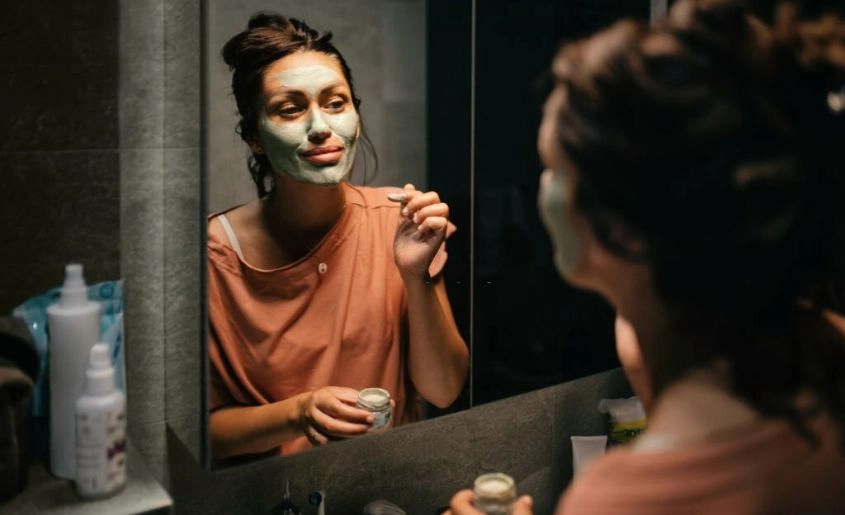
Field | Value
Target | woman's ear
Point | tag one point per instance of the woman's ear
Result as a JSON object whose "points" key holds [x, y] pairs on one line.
{"points": [[628, 240]]}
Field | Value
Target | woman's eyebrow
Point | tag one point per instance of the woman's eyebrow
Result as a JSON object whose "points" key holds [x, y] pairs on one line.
{"points": [[333, 86], [279, 90]]}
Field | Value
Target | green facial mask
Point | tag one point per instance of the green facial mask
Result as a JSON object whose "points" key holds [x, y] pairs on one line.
{"points": [[283, 141], [552, 203]]}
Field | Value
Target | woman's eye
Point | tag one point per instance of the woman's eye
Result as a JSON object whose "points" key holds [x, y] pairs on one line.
{"points": [[336, 104], [290, 110]]}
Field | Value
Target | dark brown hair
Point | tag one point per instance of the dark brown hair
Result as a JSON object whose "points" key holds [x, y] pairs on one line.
{"points": [[709, 135], [268, 38]]}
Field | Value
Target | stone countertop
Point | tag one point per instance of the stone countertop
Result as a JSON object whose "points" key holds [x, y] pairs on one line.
{"points": [[45, 494]]}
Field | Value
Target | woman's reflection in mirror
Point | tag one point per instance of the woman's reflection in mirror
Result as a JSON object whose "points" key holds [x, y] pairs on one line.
{"points": [[318, 288], [695, 178]]}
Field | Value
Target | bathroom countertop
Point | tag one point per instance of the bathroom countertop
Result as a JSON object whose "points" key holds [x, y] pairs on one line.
{"points": [[45, 494]]}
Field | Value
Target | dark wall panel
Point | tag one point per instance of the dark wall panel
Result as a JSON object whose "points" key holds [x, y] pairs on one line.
{"points": [[59, 174]]}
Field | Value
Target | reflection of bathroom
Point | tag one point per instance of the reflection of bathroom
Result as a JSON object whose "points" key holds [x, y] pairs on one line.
{"points": [[101, 157]]}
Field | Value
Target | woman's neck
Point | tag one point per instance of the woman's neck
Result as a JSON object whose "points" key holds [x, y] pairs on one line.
{"points": [[695, 408], [297, 210]]}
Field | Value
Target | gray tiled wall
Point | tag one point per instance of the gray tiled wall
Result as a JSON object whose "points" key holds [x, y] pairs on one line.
{"points": [[59, 181], [159, 100]]}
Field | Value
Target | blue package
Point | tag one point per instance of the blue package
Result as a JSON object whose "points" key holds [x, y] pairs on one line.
{"points": [[34, 313]]}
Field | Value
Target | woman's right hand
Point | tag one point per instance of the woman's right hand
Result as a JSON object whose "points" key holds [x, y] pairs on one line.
{"points": [[330, 413]]}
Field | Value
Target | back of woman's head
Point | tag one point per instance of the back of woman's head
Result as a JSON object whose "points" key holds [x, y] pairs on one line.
{"points": [[710, 137], [268, 38]]}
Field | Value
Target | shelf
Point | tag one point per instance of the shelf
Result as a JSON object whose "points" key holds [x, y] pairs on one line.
{"points": [[45, 494]]}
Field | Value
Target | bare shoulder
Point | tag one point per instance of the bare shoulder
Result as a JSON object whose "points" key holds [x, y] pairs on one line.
{"points": [[242, 218]]}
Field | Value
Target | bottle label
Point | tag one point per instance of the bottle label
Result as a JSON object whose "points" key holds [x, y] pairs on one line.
{"points": [[100, 452], [381, 419]]}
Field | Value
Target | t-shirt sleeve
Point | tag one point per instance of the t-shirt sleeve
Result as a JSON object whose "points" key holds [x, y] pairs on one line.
{"points": [[439, 261]]}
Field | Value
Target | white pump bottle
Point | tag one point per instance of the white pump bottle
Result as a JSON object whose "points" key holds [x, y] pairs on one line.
{"points": [[73, 325]]}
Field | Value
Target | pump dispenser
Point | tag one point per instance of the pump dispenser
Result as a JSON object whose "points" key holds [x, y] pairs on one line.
{"points": [[100, 430], [73, 325]]}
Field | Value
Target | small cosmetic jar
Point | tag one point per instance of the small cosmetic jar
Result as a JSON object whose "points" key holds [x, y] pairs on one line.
{"points": [[494, 493], [377, 402]]}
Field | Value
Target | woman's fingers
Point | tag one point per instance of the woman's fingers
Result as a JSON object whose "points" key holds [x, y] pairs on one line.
{"points": [[341, 411], [418, 207], [330, 413], [440, 209], [418, 200], [433, 224], [314, 436], [346, 395], [331, 426], [522, 506], [461, 504]]}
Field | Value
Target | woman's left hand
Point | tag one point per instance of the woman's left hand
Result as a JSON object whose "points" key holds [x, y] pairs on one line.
{"points": [[421, 230], [461, 504]]}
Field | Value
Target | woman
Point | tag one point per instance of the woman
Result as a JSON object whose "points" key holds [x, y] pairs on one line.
{"points": [[318, 288], [695, 179]]}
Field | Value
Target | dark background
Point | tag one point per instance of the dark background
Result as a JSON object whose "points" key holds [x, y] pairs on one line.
{"points": [[59, 162], [531, 329]]}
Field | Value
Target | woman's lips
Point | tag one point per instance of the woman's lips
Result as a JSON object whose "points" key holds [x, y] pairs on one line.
{"points": [[322, 155]]}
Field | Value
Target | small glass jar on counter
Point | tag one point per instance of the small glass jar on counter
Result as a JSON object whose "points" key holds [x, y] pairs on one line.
{"points": [[494, 493], [377, 402]]}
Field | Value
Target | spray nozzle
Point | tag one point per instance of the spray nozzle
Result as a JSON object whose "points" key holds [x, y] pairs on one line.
{"points": [[74, 291], [73, 275], [99, 378], [99, 356]]}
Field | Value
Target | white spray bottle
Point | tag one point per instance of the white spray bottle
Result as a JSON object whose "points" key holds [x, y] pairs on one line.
{"points": [[100, 430], [73, 325]]}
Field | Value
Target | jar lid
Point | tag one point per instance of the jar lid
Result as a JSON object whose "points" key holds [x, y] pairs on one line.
{"points": [[374, 398], [495, 487]]}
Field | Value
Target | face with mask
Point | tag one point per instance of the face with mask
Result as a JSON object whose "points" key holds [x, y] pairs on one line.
{"points": [[552, 201], [556, 194], [309, 126]]}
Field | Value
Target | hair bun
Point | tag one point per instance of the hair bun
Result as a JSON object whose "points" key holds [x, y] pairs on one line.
{"points": [[267, 19]]}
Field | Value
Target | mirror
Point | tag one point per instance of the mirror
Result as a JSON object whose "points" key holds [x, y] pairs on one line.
{"points": [[517, 293], [385, 46], [530, 329]]}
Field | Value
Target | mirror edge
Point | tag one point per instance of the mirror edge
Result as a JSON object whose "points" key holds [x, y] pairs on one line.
{"points": [[184, 199]]}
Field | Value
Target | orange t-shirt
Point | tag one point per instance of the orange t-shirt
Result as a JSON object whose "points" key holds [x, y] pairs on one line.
{"points": [[771, 470], [336, 317]]}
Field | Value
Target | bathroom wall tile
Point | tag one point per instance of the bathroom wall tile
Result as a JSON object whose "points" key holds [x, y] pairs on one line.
{"points": [[150, 441], [59, 199], [404, 160], [59, 76], [403, 49], [55, 208], [185, 360], [182, 74], [142, 78], [142, 262]]}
